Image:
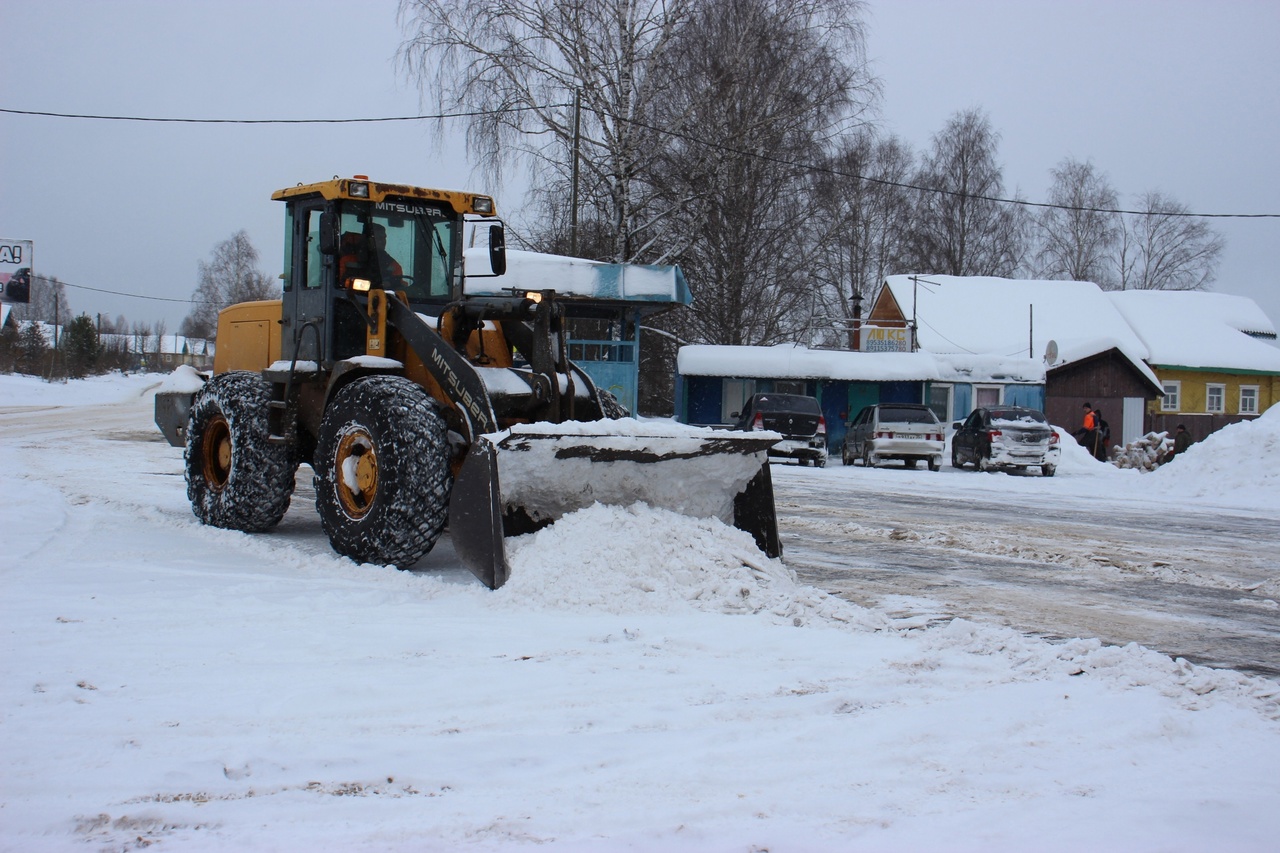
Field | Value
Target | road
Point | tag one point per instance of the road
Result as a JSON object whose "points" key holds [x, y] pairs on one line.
{"points": [[1197, 584], [1201, 584]]}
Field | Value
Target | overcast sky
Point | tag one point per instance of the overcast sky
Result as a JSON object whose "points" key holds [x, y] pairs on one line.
{"points": [[1179, 97]]}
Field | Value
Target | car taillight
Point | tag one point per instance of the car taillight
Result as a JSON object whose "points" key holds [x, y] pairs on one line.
{"points": [[936, 437], [1053, 437], [822, 425], [884, 434], [993, 434], [758, 423]]}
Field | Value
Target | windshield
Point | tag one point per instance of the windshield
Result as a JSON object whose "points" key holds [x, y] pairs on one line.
{"points": [[1014, 415], [404, 246], [785, 403], [906, 415]]}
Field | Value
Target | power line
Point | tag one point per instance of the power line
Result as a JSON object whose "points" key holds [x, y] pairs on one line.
{"points": [[130, 295], [954, 193], [666, 132], [369, 120]]}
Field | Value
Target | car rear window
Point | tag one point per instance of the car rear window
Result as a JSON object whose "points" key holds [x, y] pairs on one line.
{"points": [[907, 415], [786, 403], [1017, 415]]}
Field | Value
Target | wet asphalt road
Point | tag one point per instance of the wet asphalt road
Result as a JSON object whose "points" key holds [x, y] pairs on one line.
{"points": [[1194, 584]]}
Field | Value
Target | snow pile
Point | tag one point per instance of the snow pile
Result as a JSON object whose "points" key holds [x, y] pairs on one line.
{"points": [[95, 390], [639, 559], [1145, 454], [1242, 458]]}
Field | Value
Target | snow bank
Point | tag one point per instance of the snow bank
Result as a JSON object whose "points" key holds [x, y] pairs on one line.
{"points": [[639, 559], [112, 388], [1240, 459]]}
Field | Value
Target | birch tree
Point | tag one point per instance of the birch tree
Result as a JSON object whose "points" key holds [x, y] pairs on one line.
{"points": [[764, 90], [1163, 248], [515, 67], [231, 275], [863, 221], [1078, 241], [960, 227]]}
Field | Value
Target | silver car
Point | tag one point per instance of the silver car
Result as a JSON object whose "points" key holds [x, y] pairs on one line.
{"points": [[903, 431]]}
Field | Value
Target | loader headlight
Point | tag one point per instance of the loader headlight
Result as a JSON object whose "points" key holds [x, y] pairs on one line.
{"points": [[482, 205], [360, 284], [533, 296], [358, 189]]}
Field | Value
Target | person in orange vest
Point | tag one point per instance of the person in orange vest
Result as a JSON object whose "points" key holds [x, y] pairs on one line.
{"points": [[1087, 435]]}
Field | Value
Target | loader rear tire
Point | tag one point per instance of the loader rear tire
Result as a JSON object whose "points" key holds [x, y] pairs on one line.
{"points": [[236, 478], [382, 471]]}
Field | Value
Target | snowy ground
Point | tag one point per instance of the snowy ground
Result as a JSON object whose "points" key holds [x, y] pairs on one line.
{"points": [[644, 682]]}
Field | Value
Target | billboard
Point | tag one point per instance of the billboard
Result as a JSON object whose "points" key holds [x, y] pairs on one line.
{"points": [[15, 270]]}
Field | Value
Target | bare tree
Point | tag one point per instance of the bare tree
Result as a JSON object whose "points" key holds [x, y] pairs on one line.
{"points": [[864, 215], [1078, 241], [961, 227], [515, 66], [1163, 248], [230, 276], [764, 88]]}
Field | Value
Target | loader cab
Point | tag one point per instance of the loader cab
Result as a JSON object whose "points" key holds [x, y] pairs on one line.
{"points": [[347, 237]]}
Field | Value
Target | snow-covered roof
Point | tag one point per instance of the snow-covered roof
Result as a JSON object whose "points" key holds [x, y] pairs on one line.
{"points": [[1204, 330], [576, 277], [791, 361], [1002, 316], [1017, 317]]}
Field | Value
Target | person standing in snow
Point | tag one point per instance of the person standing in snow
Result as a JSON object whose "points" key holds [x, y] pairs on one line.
{"points": [[1087, 435], [1181, 441]]}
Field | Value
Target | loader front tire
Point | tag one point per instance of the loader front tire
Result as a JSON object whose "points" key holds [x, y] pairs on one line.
{"points": [[236, 479], [382, 471]]}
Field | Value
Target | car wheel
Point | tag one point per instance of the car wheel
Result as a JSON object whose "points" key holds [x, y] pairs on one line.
{"points": [[1048, 470], [844, 456], [955, 458], [868, 458], [910, 463], [935, 463], [984, 464]]}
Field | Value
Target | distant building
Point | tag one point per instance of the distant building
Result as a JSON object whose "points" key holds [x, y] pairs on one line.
{"points": [[713, 383], [1209, 352], [1089, 352]]}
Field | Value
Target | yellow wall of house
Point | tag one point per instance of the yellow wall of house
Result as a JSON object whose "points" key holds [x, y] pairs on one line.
{"points": [[1195, 390]]}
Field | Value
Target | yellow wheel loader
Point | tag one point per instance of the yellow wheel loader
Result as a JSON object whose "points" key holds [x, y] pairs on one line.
{"points": [[418, 406]]}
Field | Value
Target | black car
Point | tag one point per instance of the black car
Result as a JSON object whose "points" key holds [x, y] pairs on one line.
{"points": [[799, 420], [1006, 438]]}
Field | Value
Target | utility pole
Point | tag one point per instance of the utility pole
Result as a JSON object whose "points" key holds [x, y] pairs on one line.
{"points": [[573, 171]]}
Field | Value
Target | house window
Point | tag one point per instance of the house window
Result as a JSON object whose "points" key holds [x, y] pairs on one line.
{"points": [[986, 396], [1214, 397], [790, 387], [1172, 399], [1248, 399]]}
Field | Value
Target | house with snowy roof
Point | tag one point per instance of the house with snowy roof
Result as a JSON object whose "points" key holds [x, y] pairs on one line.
{"points": [[604, 306], [1088, 350], [1210, 354], [713, 383]]}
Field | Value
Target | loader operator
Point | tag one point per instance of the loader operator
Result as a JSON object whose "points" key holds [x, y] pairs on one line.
{"points": [[366, 256]]}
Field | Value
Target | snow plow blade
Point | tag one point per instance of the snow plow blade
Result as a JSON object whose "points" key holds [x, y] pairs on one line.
{"points": [[518, 481]]}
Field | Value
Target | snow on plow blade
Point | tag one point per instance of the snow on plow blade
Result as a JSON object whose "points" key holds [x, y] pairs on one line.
{"points": [[517, 481]]}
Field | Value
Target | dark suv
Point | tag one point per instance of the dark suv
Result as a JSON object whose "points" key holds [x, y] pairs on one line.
{"points": [[799, 420]]}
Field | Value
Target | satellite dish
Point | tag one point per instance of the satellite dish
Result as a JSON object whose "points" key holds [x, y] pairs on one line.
{"points": [[1051, 352]]}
